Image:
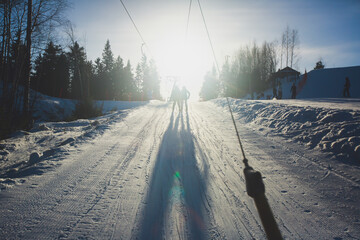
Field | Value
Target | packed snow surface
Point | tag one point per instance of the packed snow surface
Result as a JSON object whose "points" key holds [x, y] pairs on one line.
{"points": [[145, 172]]}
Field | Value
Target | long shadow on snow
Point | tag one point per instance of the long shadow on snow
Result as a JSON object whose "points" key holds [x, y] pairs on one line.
{"points": [[176, 183]]}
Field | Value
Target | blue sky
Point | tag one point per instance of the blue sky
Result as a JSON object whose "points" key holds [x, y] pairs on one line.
{"points": [[327, 29]]}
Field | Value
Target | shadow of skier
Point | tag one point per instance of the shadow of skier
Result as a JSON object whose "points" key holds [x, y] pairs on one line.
{"points": [[176, 183]]}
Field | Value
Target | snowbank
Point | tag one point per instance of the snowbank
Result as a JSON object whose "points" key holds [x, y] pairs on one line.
{"points": [[40, 149], [318, 124], [48, 109]]}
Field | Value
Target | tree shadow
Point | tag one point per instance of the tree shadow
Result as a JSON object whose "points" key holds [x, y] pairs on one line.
{"points": [[176, 183]]}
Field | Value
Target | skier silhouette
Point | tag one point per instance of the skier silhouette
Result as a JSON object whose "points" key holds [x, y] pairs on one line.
{"points": [[293, 91], [275, 92], [185, 94], [346, 92], [176, 97], [280, 93]]}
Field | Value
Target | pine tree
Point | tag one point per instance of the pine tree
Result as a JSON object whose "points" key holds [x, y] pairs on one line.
{"points": [[130, 88], [319, 65], [138, 79], [226, 80], [51, 75], [77, 61], [117, 74], [97, 84], [108, 63], [107, 57]]}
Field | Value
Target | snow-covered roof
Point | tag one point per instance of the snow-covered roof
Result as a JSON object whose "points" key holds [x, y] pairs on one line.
{"points": [[285, 73]]}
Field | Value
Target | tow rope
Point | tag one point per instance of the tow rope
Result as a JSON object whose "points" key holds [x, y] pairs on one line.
{"points": [[256, 189], [254, 184]]}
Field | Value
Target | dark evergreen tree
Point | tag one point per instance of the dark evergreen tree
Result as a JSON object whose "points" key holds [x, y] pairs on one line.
{"points": [[130, 87], [51, 75], [108, 64], [138, 81], [107, 57], [97, 84], [79, 72], [117, 74], [319, 65]]}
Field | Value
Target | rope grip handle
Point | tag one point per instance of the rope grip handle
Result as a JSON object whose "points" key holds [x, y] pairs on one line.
{"points": [[254, 184]]}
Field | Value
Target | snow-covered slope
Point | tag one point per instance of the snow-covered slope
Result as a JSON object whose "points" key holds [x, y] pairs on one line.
{"points": [[47, 109], [329, 83], [323, 83], [148, 173], [331, 125], [142, 171]]}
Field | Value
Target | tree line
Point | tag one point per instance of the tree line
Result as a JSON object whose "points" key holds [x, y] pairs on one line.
{"points": [[250, 70], [68, 74], [24, 27], [30, 59]]}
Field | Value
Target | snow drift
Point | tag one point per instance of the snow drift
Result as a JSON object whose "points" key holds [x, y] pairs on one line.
{"points": [[317, 123]]}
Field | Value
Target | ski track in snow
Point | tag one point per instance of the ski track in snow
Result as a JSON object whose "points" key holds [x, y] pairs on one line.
{"points": [[151, 174]]}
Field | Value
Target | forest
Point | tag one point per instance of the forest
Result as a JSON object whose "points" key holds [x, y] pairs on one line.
{"points": [[35, 55], [250, 70], [39, 51]]}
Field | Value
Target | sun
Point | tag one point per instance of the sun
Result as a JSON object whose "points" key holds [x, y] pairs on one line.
{"points": [[183, 62]]}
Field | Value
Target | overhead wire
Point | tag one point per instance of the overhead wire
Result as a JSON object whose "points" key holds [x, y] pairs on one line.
{"points": [[214, 55], [254, 184], [208, 34], [188, 20], [227, 99], [136, 28]]}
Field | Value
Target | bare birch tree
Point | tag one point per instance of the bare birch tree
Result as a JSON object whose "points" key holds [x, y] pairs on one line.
{"points": [[289, 47], [44, 16]]}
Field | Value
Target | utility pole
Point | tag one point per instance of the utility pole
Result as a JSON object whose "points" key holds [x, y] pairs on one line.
{"points": [[27, 60]]}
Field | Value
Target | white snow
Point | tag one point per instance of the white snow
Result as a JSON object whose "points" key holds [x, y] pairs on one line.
{"points": [[56, 109], [323, 83], [328, 124], [145, 173], [142, 171]]}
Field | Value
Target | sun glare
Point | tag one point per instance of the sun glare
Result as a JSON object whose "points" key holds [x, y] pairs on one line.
{"points": [[183, 62]]}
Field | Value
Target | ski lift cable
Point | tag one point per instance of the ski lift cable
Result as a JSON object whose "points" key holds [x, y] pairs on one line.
{"points": [[187, 23], [254, 184], [136, 28], [208, 34], [227, 99]]}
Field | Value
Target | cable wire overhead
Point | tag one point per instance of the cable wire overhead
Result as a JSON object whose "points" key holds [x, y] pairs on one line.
{"points": [[136, 28], [187, 23], [208, 34]]}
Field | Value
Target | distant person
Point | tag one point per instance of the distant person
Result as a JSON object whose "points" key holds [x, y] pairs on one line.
{"points": [[185, 94], [274, 92], [280, 93], [346, 92], [176, 97], [293, 91]]}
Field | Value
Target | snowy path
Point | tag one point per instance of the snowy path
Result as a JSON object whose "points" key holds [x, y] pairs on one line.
{"points": [[155, 175]]}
